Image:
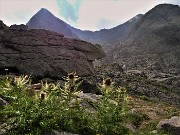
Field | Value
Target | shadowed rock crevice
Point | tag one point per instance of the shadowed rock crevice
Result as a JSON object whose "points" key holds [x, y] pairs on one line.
{"points": [[7, 70]]}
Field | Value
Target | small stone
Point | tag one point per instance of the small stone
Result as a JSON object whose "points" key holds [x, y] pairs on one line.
{"points": [[131, 127], [171, 125]]}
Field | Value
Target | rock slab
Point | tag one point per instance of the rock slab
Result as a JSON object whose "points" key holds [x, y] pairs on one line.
{"points": [[45, 53]]}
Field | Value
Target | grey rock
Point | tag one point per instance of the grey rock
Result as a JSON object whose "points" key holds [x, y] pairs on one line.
{"points": [[131, 127], [171, 125], [136, 72], [46, 54], [87, 99], [92, 97]]}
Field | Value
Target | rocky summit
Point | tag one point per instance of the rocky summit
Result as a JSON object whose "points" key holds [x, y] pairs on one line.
{"points": [[45, 53]]}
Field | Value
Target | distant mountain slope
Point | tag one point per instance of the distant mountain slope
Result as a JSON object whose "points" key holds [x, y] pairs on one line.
{"points": [[108, 36], [44, 19], [154, 43]]}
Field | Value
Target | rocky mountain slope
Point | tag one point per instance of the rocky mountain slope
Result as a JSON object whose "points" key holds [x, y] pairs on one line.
{"points": [[45, 53], [160, 24], [148, 44], [154, 44], [44, 19]]}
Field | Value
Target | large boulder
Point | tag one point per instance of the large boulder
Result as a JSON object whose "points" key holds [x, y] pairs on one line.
{"points": [[171, 125], [45, 53]]}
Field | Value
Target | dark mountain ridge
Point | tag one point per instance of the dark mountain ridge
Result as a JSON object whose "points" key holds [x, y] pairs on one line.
{"points": [[154, 43], [44, 19], [108, 36]]}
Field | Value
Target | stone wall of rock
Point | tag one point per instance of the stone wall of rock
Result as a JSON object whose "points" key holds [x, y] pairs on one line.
{"points": [[46, 54]]}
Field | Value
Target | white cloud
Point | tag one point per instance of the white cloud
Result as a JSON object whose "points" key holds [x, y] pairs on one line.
{"points": [[93, 14]]}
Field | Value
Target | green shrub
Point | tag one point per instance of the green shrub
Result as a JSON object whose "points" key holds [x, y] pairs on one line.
{"points": [[35, 112]]}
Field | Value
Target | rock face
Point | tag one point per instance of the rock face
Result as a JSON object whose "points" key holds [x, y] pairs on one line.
{"points": [[170, 125], [154, 44], [46, 54], [44, 19]]}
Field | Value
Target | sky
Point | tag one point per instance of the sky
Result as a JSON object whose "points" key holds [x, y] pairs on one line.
{"points": [[84, 14]]}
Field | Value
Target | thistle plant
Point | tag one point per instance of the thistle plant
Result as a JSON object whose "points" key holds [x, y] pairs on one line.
{"points": [[70, 82], [110, 109], [14, 87], [21, 81], [52, 107], [71, 86], [107, 86]]}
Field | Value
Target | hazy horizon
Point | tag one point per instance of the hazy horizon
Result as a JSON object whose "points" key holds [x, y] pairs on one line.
{"points": [[83, 14]]}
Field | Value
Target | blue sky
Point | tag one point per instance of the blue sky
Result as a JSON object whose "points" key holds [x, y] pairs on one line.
{"points": [[83, 14], [69, 10]]}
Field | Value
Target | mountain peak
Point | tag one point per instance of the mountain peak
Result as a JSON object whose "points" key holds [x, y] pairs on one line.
{"points": [[163, 13], [44, 10], [44, 19], [165, 7]]}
